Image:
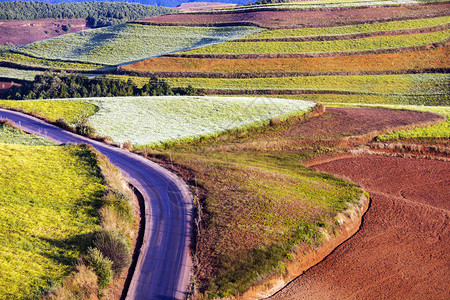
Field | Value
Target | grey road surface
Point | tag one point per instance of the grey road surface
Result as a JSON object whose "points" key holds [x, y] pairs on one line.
{"points": [[164, 264]]}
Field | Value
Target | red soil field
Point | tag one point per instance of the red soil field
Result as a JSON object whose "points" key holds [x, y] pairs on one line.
{"points": [[343, 121], [401, 250], [21, 32], [303, 18], [436, 58], [4, 85]]}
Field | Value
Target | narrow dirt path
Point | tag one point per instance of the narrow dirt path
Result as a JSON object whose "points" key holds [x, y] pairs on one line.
{"points": [[401, 250]]}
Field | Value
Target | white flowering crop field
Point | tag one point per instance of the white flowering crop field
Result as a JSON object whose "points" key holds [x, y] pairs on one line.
{"points": [[155, 120], [126, 43]]}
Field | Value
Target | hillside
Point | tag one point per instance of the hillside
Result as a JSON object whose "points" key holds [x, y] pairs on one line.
{"points": [[97, 14], [250, 105], [167, 3], [394, 54]]}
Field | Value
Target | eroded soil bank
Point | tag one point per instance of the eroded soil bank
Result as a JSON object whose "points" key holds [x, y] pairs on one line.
{"points": [[401, 250]]}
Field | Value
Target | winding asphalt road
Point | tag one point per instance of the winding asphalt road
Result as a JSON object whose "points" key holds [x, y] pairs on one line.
{"points": [[164, 264]]}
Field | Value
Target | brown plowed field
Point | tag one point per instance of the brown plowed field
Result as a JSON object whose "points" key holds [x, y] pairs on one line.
{"points": [[436, 58], [304, 18], [21, 32], [401, 250], [337, 122]]}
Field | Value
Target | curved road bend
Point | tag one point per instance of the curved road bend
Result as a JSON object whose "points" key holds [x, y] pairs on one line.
{"points": [[164, 264]]}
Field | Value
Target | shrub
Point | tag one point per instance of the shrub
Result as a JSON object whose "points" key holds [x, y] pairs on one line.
{"points": [[82, 284], [83, 127], [102, 266], [114, 246]]}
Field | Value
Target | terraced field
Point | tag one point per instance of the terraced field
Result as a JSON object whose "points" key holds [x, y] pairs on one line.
{"points": [[258, 203], [371, 84], [351, 29], [379, 43], [129, 42], [374, 62], [25, 61], [436, 58], [281, 16]]}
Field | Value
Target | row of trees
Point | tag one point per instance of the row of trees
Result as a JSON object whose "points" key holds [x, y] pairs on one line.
{"points": [[97, 13], [54, 85]]}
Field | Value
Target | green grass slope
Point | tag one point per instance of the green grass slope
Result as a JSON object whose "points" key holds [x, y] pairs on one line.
{"points": [[48, 210]]}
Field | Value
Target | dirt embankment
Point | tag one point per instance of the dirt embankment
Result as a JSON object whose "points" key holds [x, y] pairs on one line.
{"points": [[401, 250], [21, 32], [305, 257]]}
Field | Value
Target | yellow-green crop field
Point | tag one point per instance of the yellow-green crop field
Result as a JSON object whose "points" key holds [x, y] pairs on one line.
{"points": [[376, 84], [39, 62], [360, 28], [53, 110], [353, 45], [48, 200]]}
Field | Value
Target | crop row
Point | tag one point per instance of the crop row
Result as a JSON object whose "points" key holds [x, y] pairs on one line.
{"points": [[326, 4], [353, 45], [437, 58], [129, 42], [295, 18], [26, 60], [352, 29], [371, 99], [376, 84]]}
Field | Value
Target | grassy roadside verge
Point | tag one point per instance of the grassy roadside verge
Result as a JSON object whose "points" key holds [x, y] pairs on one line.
{"points": [[57, 202], [256, 206]]}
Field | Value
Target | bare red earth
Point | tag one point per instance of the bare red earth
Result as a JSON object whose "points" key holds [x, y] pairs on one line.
{"points": [[337, 122], [21, 32], [303, 18], [401, 250]]}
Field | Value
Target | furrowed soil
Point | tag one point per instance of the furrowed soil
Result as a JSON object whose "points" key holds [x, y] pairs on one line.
{"points": [[357, 121], [401, 249], [21, 32], [436, 58], [303, 18]]}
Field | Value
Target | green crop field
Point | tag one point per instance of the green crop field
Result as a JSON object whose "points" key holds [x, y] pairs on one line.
{"points": [[18, 74], [376, 84], [47, 203], [9, 135], [51, 64], [353, 45], [130, 42], [428, 100], [341, 30], [53, 110], [438, 131]]}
